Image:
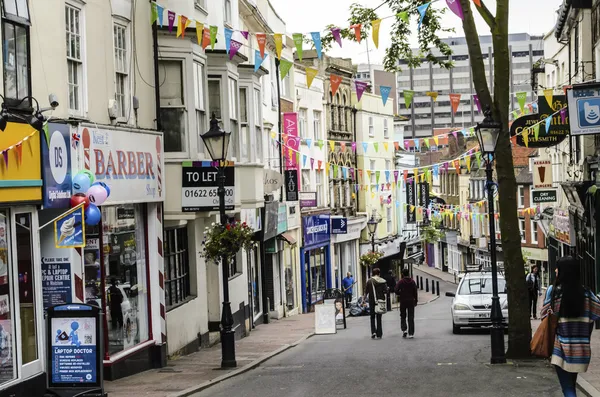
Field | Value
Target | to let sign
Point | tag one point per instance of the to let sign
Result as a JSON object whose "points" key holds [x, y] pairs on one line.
{"points": [[544, 196], [199, 187]]}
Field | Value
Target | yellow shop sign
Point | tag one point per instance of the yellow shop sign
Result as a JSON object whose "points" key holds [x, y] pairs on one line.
{"points": [[20, 164]]}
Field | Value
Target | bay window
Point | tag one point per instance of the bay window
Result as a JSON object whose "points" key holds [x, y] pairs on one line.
{"points": [[244, 127], [199, 101], [258, 127], [234, 148]]}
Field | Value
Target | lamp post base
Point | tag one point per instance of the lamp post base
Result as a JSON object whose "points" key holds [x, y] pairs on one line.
{"points": [[498, 355], [228, 349]]}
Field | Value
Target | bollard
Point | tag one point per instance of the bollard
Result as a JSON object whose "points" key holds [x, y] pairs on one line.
{"points": [[417, 280], [433, 287], [438, 287], [426, 285], [421, 283]]}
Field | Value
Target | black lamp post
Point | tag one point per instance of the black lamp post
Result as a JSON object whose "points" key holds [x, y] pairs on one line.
{"points": [[372, 225], [217, 142], [488, 132]]}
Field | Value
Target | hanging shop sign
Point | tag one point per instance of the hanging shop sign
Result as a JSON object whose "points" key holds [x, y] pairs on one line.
{"points": [[411, 210], [339, 225], [271, 220], [272, 181], [542, 174], [558, 129], [291, 185], [199, 187], [584, 106], [130, 162], [282, 218], [308, 199], [56, 157], [544, 196], [290, 128], [69, 229], [56, 281], [560, 227], [315, 229]]}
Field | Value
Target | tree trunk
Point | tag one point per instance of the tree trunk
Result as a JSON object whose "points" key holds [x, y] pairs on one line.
{"points": [[519, 331]]}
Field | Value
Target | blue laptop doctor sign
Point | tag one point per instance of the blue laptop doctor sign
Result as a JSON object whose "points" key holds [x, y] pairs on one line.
{"points": [[584, 109]]}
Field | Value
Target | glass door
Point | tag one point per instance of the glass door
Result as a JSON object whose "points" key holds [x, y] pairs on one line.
{"points": [[27, 278]]}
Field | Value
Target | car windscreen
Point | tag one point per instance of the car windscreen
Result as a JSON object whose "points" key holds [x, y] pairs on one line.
{"points": [[477, 286]]}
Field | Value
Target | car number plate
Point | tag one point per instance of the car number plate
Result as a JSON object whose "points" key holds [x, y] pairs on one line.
{"points": [[483, 315]]}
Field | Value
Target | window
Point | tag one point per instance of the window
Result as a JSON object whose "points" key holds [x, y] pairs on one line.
{"points": [[388, 165], [235, 266], [285, 87], [244, 132], [214, 98], [177, 266], [75, 68], [386, 131], [201, 3], [534, 232], [258, 137], [121, 41], [372, 168], [316, 124], [371, 128], [576, 49], [521, 196], [306, 180], [390, 220], [522, 230], [320, 188], [228, 19], [302, 130], [234, 143], [201, 125], [273, 83], [15, 49], [172, 105]]}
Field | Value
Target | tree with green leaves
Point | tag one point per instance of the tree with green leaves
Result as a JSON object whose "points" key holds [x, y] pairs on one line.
{"points": [[519, 333]]}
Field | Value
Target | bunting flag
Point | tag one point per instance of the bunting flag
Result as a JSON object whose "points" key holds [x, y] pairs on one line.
{"points": [[311, 73], [478, 158], [335, 82], [385, 146], [536, 131], [244, 33], [332, 145], [304, 158], [361, 86], [316, 36], [335, 32], [278, 37], [298, 39], [357, 27], [455, 102], [454, 6], [320, 144], [205, 38], [320, 163], [408, 97], [432, 94], [477, 3], [354, 146], [376, 25], [365, 146], [199, 32], [284, 67], [261, 39], [403, 15], [563, 115], [312, 163], [436, 170], [457, 166], [228, 34], [396, 173], [343, 146], [426, 142], [436, 140], [385, 93], [258, 60], [526, 137], [477, 103], [548, 123], [396, 145], [376, 146], [171, 19], [405, 175], [235, 47], [377, 175], [521, 98], [549, 95], [468, 162], [154, 12], [213, 36], [416, 142], [19, 152], [422, 11]]}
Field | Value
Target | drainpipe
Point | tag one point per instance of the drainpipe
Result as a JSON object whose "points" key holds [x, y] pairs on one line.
{"points": [[156, 77], [570, 82], [280, 127], [354, 111]]}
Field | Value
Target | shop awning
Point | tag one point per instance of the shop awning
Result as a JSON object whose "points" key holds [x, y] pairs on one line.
{"points": [[288, 238]]}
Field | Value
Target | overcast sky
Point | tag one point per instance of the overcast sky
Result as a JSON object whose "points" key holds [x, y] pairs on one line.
{"points": [[530, 16]]}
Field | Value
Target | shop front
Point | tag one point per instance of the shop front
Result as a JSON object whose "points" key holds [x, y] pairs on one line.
{"points": [[345, 237], [22, 353], [315, 260], [252, 217], [537, 257], [291, 258]]}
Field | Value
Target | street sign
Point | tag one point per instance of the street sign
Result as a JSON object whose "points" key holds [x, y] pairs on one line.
{"points": [[199, 185], [584, 108], [291, 185], [339, 225], [544, 196], [308, 199]]}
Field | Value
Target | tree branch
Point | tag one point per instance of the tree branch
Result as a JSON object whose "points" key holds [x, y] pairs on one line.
{"points": [[487, 15]]}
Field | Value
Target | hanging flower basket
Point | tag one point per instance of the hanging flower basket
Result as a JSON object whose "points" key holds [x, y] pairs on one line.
{"points": [[225, 241], [370, 258]]}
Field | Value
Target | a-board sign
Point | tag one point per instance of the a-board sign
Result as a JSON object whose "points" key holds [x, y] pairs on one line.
{"points": [[325, 318]]}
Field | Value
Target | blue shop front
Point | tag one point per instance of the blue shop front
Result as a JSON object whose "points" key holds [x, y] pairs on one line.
{"points": [[315, 259]]}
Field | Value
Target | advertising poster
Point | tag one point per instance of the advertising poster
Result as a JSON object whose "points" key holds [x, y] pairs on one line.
{"points": [[56, 156], [73, 350], [290, 128], [56, 281], [69, 230]]}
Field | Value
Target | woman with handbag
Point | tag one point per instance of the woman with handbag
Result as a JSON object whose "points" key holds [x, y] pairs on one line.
{"points": [[376, 289], [575, 309]]}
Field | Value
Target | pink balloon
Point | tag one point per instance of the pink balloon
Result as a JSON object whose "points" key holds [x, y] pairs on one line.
{"points": [[97, 194]]}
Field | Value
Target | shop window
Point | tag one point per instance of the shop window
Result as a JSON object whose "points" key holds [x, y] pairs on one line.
{"points": [[15, 49], [7, 316], [290, 279], [172, 105], [255, 280], [315, 261], [235, 266], [177, 266], [534, 232]]}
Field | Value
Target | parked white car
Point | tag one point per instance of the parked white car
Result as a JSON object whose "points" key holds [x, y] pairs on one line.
{"points": [[472, 303]]}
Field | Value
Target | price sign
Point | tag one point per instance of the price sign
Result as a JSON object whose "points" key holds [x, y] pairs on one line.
{"points": [[199, 190]]}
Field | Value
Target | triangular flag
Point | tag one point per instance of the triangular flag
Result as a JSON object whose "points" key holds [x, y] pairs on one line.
{"points": [[154, 11], [258, 60], [335, 81], [377, 174], [396, 145], [213, 36], [563, 115], [477, 103], [369, 172], [357, 27], [284, 67], [5, 155], [426, 142], [244, 33], [312, 163], [171, 19], [415, 173], [332, 145], [408, 97], [228, 33], [455, 102], [235, 47], [417, 143], [436, 170], [376, 146], [548, 123], [278, 37], [354, 146], [47, 134], [365, 146], [308, 142], [432, 94], [199, 32], [436, 140], [376, 24], [206, 38], [387, 176], [343, 146], [361, 86], [335, 32], [526, 137], [468, 161], [521, 98], [405, 175], [298, 39], [261, 39], [320, 163], [311, 73], [320, 144], [422, 10], [160, 11], [316, 36], [385, 146], [396, 173], [19, 152], [477, 3], [455, 7], [385, 93], [304, 157], [536, 131], [403, 15], [549, 94]]}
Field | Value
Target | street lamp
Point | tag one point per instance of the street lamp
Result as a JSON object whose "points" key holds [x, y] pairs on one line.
{"points": [[372, 225], [216, 141], [488, 132]]}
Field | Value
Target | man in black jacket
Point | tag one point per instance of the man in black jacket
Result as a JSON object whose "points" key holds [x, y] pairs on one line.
{"points": [[406, 289], [376, 289]]}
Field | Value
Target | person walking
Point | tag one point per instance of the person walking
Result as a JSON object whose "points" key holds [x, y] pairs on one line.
{"points": [[390, 280], [376, 289], [535, 289], [407, 291], [347, 285], [577, 309]]}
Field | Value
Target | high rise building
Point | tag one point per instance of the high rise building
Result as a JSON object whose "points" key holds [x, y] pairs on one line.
{"points": [[426, 114]]}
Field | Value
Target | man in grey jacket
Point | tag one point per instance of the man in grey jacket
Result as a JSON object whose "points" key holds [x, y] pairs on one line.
{"points": [[376, 289]]}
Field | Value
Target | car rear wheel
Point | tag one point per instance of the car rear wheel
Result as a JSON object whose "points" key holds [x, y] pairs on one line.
{"points": [[455, 329]]}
